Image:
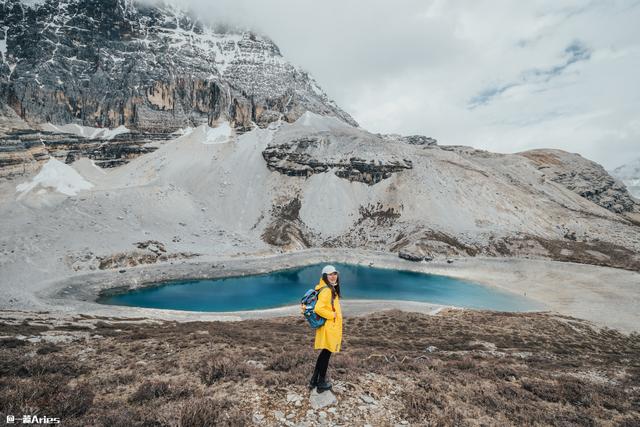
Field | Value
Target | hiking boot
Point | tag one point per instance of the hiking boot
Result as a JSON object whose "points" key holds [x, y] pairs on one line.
{"points": [[314, 381], [323, 385]]}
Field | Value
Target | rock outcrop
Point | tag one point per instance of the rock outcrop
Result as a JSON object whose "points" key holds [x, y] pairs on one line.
{"points": [[147, 252], [410, 139], [156, 69], [317, 144], [24, 151], [584, 177]]}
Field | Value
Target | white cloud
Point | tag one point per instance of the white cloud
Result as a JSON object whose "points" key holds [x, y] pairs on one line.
{"points": [[553, 74]]}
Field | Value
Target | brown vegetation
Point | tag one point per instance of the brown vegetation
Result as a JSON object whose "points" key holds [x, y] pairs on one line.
{"points": [[457, 368]]}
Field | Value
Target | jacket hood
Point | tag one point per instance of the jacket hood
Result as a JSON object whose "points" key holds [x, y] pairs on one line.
{"points": [[319, 285]]}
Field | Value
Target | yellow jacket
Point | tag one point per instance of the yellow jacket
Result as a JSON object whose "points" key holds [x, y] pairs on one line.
{"points": [[329, 335]]}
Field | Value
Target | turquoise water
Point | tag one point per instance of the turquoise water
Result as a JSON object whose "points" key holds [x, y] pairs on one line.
{"points": [[286, 287]]}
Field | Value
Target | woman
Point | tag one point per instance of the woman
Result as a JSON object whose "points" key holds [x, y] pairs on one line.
{"points": [[329, 335]]}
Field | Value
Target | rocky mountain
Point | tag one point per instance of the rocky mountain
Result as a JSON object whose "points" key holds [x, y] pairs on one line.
{"points": [[261, 162], [106, 63], [629, 174], [584, 177]]}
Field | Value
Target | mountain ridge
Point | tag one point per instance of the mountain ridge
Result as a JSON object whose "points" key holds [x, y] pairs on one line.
{"points": [[147, 67]]}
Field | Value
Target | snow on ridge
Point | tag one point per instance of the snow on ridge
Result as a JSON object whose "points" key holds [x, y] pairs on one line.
{"points": [[220, 134], [58, 176], [85, 131], [320, 122], [3, 44]]}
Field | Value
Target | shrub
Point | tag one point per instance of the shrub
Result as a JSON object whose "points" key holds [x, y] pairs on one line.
{"points": [[418, 403], [542, 389], [285, 362], [72, 402], [212, 371], [39, 366], [12, 342], [214, 413], [150, 390], [49, 348]]}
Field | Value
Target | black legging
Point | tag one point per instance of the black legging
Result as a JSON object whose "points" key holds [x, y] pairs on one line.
{"points": [[323, 362]]}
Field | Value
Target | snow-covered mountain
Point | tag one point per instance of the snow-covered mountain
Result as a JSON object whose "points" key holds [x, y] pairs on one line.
{"points": [[108, 63], [220, 147], [629, 174]]}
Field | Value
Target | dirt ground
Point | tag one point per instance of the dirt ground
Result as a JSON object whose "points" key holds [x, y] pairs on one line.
{"points": [[460, 367]]}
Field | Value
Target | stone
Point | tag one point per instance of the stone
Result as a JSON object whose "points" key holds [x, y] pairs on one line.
{"points": [[279, 415], [410, 256], [482, 345], [293, 397], [257, 418], [339, 388], [431, 349], [321, 400], [256, 364], [368, 399]]}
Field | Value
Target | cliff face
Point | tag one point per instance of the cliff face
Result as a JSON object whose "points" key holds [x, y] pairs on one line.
{"points": [[107, 63], [584, 177], [320, 145]]}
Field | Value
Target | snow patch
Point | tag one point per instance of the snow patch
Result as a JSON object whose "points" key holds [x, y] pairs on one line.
{"points": [[220, 134], [3, 44], [33, 3], [58, 176], [331, 204], [89, 170], [318, 122], [85, 131]]}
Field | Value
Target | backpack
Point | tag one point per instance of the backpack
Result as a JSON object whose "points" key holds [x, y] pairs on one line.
{"points": [[308, 302]]}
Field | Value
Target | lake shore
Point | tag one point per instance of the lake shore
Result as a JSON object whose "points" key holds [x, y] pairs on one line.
{"points": [[606, 297]]}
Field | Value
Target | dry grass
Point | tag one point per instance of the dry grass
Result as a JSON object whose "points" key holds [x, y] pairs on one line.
{"points": [[457, 368]]}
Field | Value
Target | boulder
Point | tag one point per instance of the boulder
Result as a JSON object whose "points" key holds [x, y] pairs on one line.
{"points": [[322, 400]]}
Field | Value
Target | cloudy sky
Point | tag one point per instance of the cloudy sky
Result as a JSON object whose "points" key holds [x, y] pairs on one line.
{"points": [[504, 76]]}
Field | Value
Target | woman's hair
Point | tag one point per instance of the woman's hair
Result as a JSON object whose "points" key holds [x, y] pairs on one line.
{"points": [[335, 290]]}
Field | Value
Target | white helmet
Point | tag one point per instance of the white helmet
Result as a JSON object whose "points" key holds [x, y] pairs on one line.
{"points": [[328, 269]]}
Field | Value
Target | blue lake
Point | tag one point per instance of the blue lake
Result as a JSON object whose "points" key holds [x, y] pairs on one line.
{"points": [[286, 287]]}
